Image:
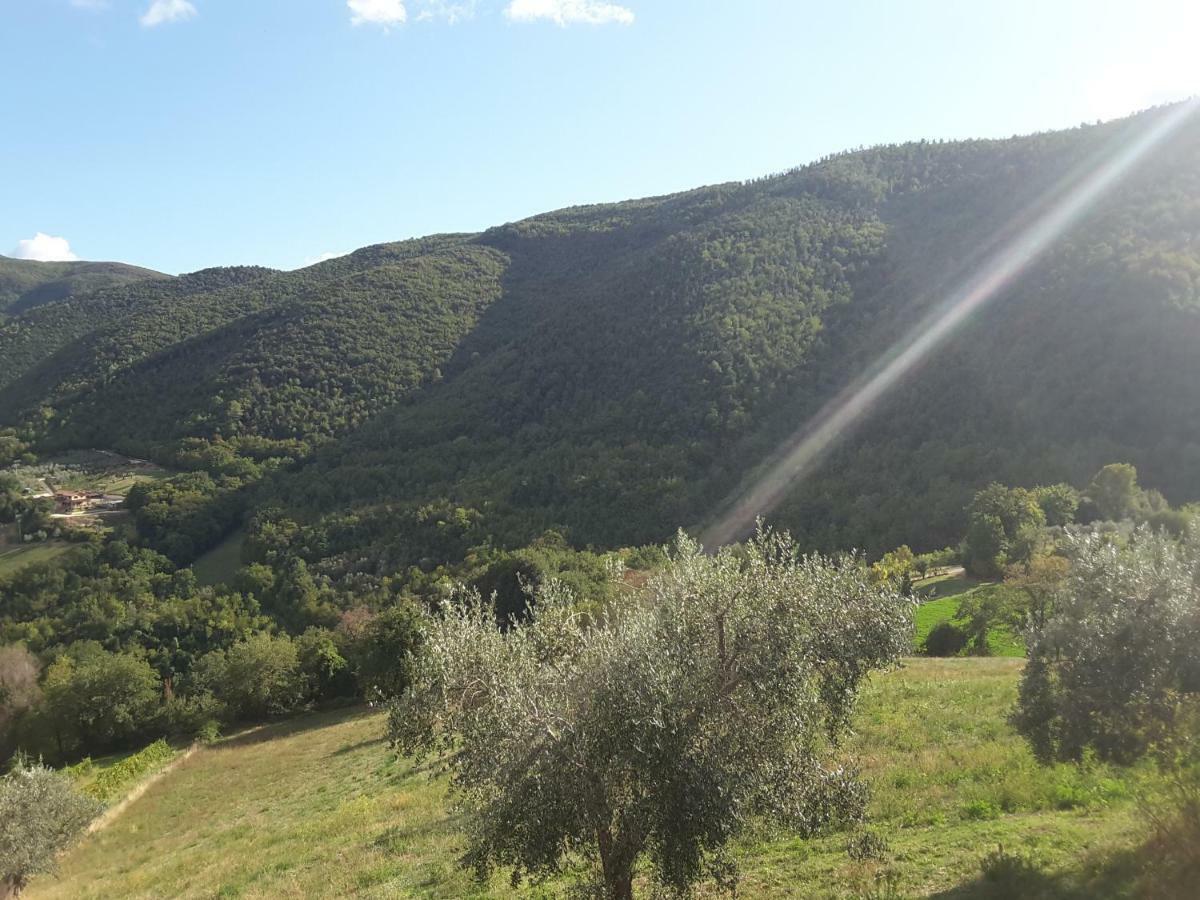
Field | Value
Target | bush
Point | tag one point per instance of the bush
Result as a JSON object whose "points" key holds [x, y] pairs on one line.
{"points": [[117, 778], [1012, 874], [98, 701], [185, 717], [981, 810], [867, 846], [385, 651], [1119, 656], [323, 668], [945, 639]]}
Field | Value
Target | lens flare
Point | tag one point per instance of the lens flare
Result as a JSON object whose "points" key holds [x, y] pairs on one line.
{"points": [[1048, 220]]}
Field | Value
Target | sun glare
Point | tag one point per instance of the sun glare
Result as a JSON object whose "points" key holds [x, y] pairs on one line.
{"points": [[1049, 219]]}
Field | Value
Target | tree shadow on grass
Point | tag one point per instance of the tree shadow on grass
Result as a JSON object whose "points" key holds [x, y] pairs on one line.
{"points": [[272, 731], [360, 745], [1119, 874]]}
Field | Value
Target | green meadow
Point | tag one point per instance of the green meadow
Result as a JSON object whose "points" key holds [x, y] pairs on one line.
{"points": [[320, 807]]}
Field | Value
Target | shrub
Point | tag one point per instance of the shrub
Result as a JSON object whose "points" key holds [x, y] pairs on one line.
{"points": [[868, 846], [1119, 656], [980, 810], [185, 716], [96, 700], [385, 651], [945, 639], [323, 669], [117, 778], [41, 815], [1013, 874]]}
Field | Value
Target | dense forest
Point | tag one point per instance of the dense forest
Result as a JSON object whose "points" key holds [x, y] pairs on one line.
{"points": [[25, 284], [613, 371]]}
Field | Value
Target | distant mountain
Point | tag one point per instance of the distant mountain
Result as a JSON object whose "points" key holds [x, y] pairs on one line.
{"points": [[615, 371], [25, 284]]}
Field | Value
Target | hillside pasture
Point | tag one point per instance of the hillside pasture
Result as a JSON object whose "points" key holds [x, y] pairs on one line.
{"points": [[14, 557], [940, 601], [220, 564], [320, 807]]}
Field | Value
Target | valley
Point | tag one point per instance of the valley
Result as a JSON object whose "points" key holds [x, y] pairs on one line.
{"points": [[383, 576]]}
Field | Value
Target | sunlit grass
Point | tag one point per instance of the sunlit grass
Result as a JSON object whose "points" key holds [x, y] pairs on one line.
{"points": [[941, 599], [319, 807]]}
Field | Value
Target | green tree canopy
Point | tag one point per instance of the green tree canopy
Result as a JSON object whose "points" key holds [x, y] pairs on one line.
{"points": [[99, 700], [1118, 658]]}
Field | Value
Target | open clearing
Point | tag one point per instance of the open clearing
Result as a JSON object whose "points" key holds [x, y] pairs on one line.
{"points": [[13, 558], [941, 598], [319, 807], [221, 563]]}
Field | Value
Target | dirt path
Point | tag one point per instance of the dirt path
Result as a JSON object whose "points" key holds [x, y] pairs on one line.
{"points": [[109, 815]]}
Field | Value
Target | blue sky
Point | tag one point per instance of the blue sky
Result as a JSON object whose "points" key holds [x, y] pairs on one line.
{"points": [[180, 134]]}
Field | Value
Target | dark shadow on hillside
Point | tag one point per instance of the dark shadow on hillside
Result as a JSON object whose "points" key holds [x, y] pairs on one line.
{"points": [[1099, 877], [361, 745], [298, 725], [950, 587]]}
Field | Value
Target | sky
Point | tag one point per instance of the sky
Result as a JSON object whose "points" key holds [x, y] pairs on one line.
{"points": [[182, 134]]}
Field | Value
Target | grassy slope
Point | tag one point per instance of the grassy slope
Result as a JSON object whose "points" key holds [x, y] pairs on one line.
{"points": [[221, 563], [318, 807], [942, 598], [13, 559]]}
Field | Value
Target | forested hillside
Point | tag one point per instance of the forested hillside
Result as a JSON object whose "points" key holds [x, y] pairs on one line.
{"points": [[615, 371], [25, 284]]}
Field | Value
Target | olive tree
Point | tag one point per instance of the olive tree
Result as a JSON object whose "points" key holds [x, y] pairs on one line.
{"points": [[653, 732], [41, 814], [1117, 660]]}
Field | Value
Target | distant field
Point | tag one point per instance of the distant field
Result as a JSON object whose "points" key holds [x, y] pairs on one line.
{"points": [[319, 807], [13, 559], [221, 563], [89, 470], [941, 600]]}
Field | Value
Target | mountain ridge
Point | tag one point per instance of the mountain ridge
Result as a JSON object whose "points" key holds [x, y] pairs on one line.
{"points": [[614, 370]]}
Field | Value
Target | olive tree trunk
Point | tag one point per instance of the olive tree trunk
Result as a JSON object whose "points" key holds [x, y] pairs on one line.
{"points": [[617, 865]]}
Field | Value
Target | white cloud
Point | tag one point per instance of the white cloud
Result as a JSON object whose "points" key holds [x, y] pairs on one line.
{"points": [[161, 12], [377, 12], [452, 11], [44, 248], [569, 12]]}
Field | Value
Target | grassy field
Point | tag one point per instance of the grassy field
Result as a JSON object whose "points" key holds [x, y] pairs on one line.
{"points": [[941, 598], [15, 558], [221, 563], [318, 807]]}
